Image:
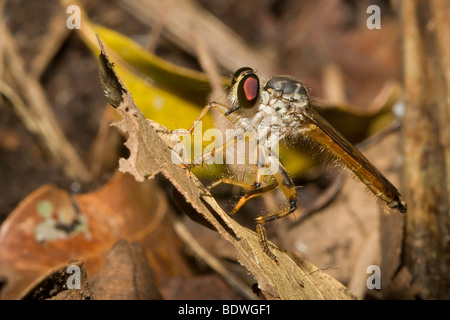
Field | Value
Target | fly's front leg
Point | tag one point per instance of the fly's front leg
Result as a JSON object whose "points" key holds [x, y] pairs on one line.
{"points": [[287, 186], [230, 181], [260, 164], [223, 109]]}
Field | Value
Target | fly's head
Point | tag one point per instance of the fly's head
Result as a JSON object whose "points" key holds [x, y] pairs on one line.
{"points": [[245, 90]]}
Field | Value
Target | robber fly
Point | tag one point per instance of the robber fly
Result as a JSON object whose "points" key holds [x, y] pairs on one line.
{"points": [[274, 110]]}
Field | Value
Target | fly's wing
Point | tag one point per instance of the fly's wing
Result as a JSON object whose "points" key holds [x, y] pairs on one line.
{"points": [[322, 132]]}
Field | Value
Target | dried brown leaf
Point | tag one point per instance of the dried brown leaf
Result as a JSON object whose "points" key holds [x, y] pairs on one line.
{"points": [[53, 285], [50, 227], [125, 275]]}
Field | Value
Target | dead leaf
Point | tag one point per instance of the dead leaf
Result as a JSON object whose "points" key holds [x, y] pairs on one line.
{"points": [[53, 285], [51, 227], [125, 275]]}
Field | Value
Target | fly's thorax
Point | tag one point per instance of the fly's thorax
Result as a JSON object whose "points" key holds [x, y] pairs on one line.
{"points": [[284, 115], [288, 99], [287, 88]]}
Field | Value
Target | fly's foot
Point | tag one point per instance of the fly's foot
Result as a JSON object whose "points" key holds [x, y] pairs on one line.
{"points": [[263, 240]]}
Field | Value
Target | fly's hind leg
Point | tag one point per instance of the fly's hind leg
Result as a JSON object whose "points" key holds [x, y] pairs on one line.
{"points": [[287, 186]]}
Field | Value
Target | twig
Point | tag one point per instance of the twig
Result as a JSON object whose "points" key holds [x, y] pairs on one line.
{"points": [[50, 43], [38, 112], [214, 263], [426, 165]]}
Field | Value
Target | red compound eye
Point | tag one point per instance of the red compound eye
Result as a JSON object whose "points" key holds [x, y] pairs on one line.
{"points": [[251, 88], [247, 90]]}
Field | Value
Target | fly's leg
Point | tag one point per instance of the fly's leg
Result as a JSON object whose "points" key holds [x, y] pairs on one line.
{"points": [[223, 109], [260, 164], [215, 152], [253, 191], [287, 186], [251, 194], [225, 180], [232, 182]]}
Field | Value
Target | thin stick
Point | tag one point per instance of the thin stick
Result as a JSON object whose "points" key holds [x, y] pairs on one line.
{"points": [[38, 112], [214, 263]]}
